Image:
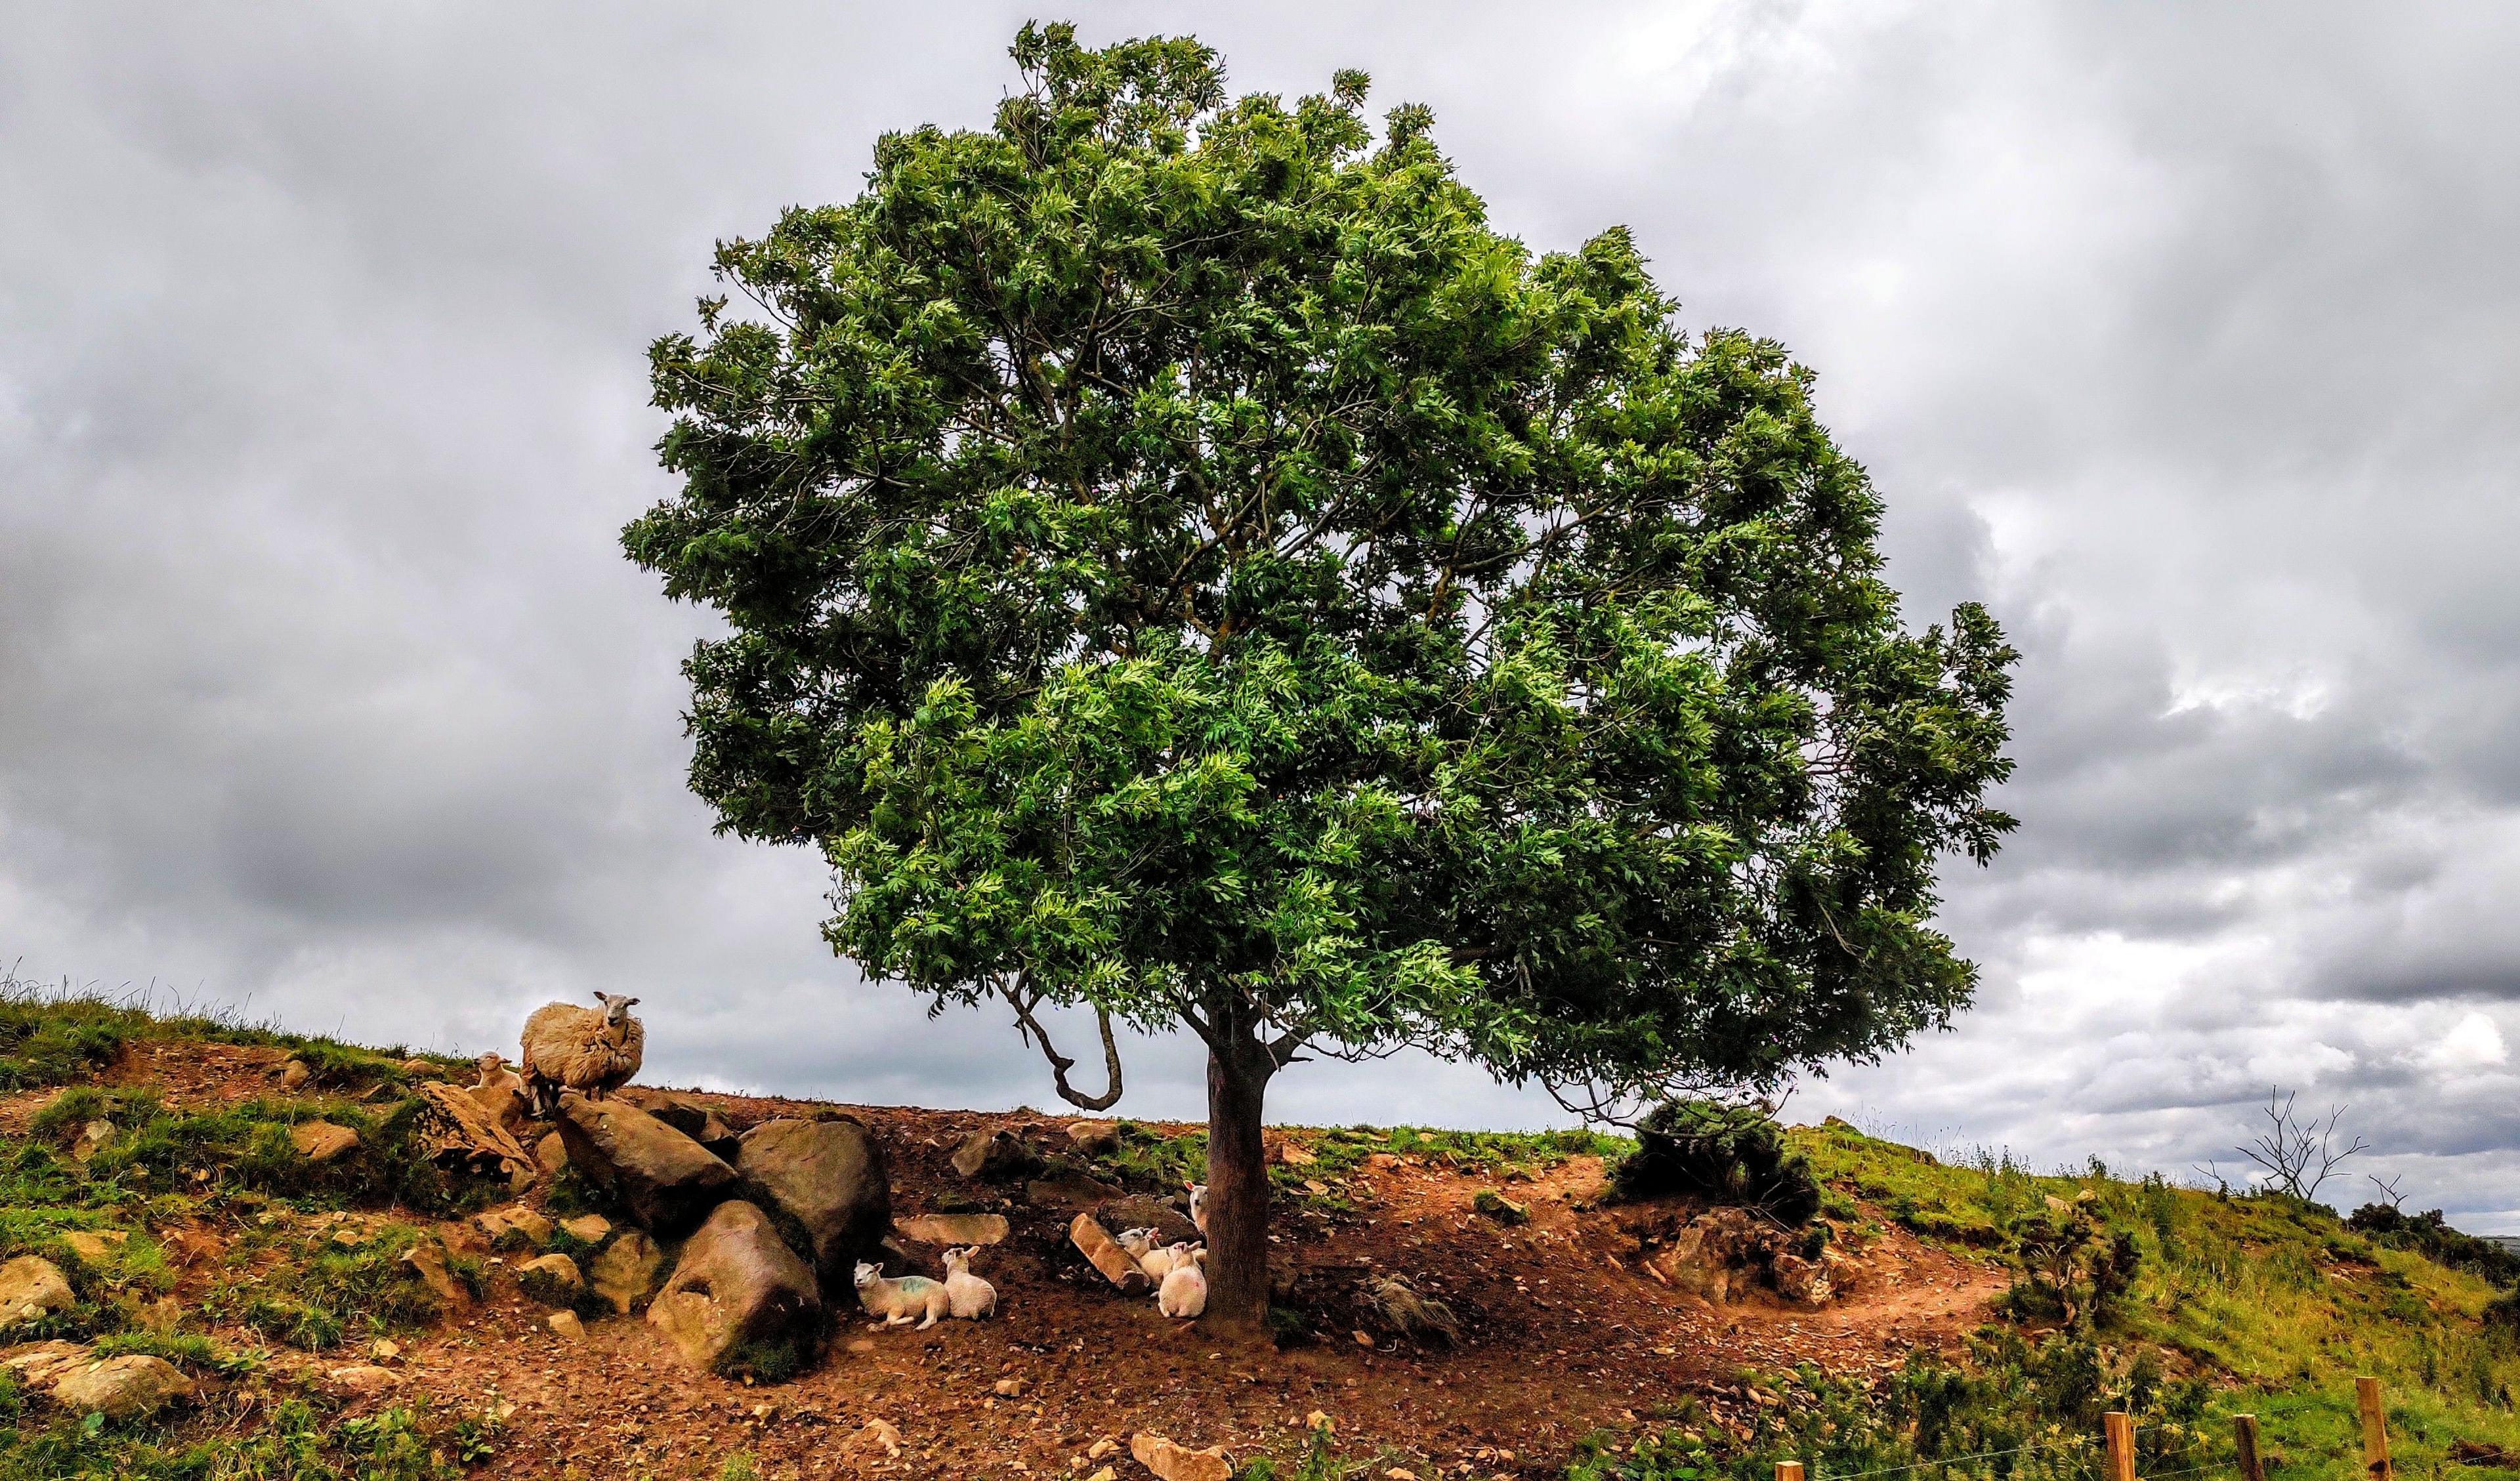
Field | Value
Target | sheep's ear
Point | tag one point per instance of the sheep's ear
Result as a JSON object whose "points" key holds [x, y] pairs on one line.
{"points": [[633, 1003], [597, 997]]}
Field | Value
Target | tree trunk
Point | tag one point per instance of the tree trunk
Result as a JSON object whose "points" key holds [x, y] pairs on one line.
{"points": [[1238, 1192]]}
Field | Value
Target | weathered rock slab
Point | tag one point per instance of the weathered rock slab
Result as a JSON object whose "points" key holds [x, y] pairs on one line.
{"points": [[1179, 1462], [322, 1140], [667, 1181], [952, 1228], [122, 1388]]}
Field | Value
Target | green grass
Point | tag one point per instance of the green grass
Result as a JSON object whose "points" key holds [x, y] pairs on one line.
{"points": [[294, 1441], [2266, 1305]]}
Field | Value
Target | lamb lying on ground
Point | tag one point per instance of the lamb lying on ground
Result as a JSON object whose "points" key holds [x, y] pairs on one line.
{"points": [[897, 1302], [966, 1295], [1184, 1293], [1137, 1241], [1159, 1263], [581, 1049]]}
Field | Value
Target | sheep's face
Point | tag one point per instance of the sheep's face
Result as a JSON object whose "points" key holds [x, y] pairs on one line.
{"points": [[489, 1063], [615, 1007], [868, 1275], [957, 1261]]}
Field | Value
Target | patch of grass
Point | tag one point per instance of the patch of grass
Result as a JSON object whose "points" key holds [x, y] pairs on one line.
{"points": [[296, 1444], [774, 1362], [313, 1293], [55, 1038]]}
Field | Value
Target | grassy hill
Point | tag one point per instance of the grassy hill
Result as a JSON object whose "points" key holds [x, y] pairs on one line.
{"points": [[2180, 1306]]}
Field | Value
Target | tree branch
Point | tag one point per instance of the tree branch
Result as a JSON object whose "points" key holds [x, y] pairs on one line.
{"points": [[1029, 1029]]}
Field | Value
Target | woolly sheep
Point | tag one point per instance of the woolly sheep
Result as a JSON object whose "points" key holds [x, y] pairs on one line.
{"points": [[495, 1074], [501, 1093], [1184, 1293], [581, 1049], [898, 1301], [967, 1296]]}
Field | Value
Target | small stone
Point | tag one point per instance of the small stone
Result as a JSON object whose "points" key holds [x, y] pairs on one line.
{"points": [[1100, 1448], [551, 1154], [421, 1069], [879, 1434], [591, 1228], [1363, 1338], [1179, 1462], [162, 1316], [567, 1325], [428, 1260], [322, 1140], [350, 1239], [516, 1219], [1400, 1474], [31, 1288], [1106, 1473], [92, 1139], [860, 1344], [295, 1075], [122, 1388], [95, 1246], [384, 1350], [358, 1379], [1009, 1388], [558, 1274]]}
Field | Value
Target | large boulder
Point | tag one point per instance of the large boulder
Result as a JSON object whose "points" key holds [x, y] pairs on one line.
{"points": [[121, 1388], [826, 1186], [667, 1181], [690, 1117], [31, 1288], [740, 1299]]}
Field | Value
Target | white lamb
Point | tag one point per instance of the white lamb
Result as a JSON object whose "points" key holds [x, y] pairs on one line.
{"points": [[501, 1093], [581, 1049], [1137, 1241], [1185, 1291], [1198, 1205], [897, 1302], [1159, 1263], [968, 1297]]}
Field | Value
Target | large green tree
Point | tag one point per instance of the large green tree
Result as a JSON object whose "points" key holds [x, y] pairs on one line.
{"points": [[1179, 559]]}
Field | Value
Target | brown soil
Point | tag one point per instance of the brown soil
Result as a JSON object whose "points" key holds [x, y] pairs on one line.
{"points": [[1566, 1335]]}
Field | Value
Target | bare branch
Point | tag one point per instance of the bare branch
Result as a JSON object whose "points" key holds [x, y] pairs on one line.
{"points": [[2296, 1157], [1023, 1001]]}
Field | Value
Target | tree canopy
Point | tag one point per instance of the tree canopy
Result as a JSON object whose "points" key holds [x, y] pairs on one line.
{"points": [[1180, 558]]}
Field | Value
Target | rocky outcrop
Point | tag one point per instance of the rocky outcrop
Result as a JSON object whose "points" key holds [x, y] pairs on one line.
{"points": [[740, 1298], [667, 1181], [825, 1184], [121, 1388], [31, 1288]]}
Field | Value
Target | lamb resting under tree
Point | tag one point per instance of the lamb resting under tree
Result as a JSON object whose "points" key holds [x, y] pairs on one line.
{"points": [[1179, 560]]}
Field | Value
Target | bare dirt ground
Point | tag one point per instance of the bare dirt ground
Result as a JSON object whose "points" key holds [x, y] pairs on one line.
{"points": [[1568, 1335]]}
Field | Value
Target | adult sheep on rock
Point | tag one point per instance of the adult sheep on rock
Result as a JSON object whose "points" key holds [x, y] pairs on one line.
{"points": [[591, 1051]]}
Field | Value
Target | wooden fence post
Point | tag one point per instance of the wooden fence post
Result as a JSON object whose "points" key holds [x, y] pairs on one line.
{"points": [[2244, 1440], [2375, 1430], [2120, 1430], [1790, 1471]]}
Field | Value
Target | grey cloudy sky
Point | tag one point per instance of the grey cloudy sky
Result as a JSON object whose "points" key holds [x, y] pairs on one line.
{"points": [[2187, 338]]}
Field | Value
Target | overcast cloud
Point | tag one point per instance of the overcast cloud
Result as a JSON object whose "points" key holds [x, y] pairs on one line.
{"points": [[2186, 337]]}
